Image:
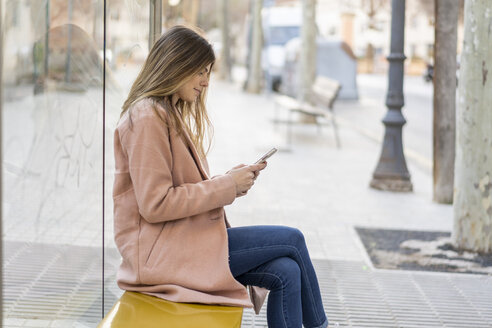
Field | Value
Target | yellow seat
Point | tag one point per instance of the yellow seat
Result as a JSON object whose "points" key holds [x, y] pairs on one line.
{"points": [[136, 310]]}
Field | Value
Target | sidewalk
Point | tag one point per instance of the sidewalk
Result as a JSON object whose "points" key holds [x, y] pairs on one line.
{"points": [[315, 187], [324, 192]]}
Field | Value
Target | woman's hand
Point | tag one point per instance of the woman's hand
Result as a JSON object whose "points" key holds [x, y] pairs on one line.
{"points": [[244, 176]]}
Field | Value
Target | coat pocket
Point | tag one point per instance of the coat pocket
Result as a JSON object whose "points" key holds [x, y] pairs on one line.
{"points": [[151, 250]]}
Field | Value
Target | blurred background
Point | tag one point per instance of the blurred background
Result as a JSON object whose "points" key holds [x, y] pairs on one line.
{"points": [[67, 66]]}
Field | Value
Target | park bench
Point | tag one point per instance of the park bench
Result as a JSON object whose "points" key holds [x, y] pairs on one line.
{"points": [[145, 311], [323, 94]]}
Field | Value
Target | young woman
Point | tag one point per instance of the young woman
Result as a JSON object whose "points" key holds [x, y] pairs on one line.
{"points": [[169, 220]]}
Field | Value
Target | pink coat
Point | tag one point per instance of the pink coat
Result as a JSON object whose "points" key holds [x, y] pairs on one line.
{"points": [[169, 220]]}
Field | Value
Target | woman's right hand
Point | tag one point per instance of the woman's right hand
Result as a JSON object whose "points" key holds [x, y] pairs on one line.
{"points": [[244, 176]]}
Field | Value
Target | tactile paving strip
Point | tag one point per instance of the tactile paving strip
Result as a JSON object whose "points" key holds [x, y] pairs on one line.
{"points": [[52, 282], [55, 282], [357, 296]]}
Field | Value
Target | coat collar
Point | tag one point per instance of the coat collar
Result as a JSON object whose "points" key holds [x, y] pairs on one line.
{"points": [[202, 166]]}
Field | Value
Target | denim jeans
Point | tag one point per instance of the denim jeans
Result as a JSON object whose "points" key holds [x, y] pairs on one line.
{"points": [[276, 258]]}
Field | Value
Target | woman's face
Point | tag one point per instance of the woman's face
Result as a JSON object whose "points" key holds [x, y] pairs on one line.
{"points": [[194, 87]]}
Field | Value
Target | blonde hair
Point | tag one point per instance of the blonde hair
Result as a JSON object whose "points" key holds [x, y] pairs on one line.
{"points": [[178, 55]]}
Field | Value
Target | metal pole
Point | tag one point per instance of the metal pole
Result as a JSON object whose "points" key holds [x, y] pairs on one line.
{"points": [[47, 39], [68, 76], [391, 172], [1, 162], [104, 158], [155, 27]]}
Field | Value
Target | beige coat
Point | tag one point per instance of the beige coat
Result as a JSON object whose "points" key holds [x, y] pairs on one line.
{"points": [[169, 220]]}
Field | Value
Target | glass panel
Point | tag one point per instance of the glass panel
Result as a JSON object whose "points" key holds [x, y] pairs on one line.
{"points": [[127, 48], [52, 162]]}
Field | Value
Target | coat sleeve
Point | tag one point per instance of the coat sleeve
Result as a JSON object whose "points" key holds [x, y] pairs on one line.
{"points": [[150, 165]]}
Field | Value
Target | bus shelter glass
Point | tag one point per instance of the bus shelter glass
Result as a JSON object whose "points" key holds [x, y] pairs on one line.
{"points": [[52, 162]]}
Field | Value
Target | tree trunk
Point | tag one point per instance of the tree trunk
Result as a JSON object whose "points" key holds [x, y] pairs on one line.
{"points": [[446, 35], [155, 21], [308, 49], [307, 64], [195, 6], [166, 10], [190, 11], [225, 53], [254, 78], [370, 58], [473, 172]]}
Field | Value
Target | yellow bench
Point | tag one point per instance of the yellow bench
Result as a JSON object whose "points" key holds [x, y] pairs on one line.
{"points": [[144, 311]]}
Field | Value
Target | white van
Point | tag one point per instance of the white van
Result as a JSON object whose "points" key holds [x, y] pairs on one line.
{"points": [[280, 25]]}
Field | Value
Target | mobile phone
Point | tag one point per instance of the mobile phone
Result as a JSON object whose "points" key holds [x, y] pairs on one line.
{"points": [[267, 155]]}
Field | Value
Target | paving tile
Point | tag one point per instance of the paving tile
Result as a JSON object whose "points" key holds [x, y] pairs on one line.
{"points": [[313, 186]]}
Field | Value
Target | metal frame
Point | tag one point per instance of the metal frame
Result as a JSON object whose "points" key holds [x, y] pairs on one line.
{"points": [[47, 38], [103, 250], [1, 163], [155, 21]]}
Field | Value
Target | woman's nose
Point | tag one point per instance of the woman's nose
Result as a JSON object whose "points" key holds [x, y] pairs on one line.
{"points": [[204, 82]]}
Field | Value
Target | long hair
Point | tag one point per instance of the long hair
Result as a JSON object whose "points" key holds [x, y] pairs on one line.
{"points": [[174, 59]]}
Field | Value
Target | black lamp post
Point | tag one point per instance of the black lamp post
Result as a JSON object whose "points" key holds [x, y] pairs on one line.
{"points": [[391, 172]]}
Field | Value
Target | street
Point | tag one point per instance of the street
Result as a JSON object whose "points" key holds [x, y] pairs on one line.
{"points": [[366, 115]]}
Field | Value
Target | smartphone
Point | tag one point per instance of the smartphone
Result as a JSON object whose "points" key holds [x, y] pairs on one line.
{"points": [[267, 155]]}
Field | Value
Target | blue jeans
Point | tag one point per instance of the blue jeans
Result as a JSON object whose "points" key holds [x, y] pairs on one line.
{"points": [[276, 258]]}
